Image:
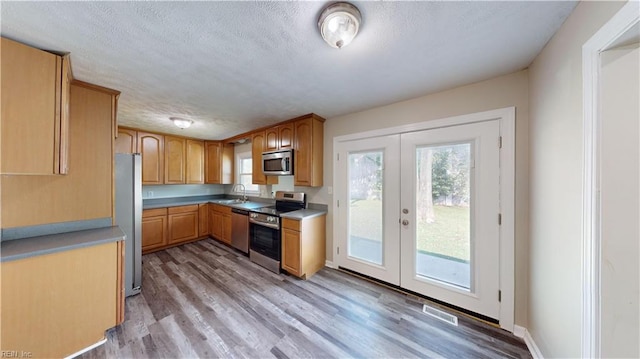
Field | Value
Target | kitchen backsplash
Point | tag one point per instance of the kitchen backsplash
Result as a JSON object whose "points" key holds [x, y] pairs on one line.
{"points": [[181, 190]]}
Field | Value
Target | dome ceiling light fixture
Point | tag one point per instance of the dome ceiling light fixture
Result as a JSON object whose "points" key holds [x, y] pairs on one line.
{"points": [[181, 122], [339, 24]]}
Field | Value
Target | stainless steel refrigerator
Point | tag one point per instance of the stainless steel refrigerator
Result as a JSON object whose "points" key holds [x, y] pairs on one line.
{"points": [[128, 169]]}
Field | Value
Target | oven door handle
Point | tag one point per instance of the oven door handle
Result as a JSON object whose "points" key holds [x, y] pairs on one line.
{"points": [[275, 226]]}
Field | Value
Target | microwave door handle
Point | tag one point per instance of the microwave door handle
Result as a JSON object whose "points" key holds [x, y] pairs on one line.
{"points": [[284, 164]]}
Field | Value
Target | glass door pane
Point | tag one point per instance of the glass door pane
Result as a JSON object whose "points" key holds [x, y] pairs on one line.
{"points": [[365, 196], [443, 208]]}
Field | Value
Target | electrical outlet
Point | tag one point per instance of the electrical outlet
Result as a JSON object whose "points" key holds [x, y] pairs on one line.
{"points": [[150, 194], [329, 190]]}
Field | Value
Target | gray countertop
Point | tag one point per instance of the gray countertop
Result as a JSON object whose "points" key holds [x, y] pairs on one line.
{"points": [[35, 246], [151, 203], [303, 213], [187, 201]]}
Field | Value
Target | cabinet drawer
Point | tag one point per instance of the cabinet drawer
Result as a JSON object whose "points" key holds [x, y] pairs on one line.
{"points": [[222, 209], [154, 212], [183, 209], [291, 224]]}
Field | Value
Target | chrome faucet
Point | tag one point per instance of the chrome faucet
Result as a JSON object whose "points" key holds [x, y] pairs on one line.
{"points": [[244, 191]]}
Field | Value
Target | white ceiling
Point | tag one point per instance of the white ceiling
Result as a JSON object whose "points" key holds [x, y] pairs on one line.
{"points": [[235, 66]]}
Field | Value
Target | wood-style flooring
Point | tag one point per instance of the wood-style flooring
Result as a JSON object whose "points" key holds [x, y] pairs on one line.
{"points": [[205, 300]]}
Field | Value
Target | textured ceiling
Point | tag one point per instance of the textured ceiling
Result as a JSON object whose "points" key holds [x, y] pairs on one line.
{"points": [[235, 66]]}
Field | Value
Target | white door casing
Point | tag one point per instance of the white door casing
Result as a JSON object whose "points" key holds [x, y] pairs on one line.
{"points": [[619, 25]]}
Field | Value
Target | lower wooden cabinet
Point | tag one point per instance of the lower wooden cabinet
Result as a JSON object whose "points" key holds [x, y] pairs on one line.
{"points": [[203, 219], [303, 245], [56, 304], [154, 229], [220, 222], [182, 224]]}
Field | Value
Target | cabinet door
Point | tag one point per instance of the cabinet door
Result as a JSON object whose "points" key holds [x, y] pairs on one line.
{"points": [[307, 158], [183, 227], [30, 105], [154, 232], [126, 142], [151, 147], [226, 228], [271, 139], [174, 160], [203, 220], [291, 251], [212, 162], [257, 147], [285, 136], [227, 164], [195, 161], [215, 224]]}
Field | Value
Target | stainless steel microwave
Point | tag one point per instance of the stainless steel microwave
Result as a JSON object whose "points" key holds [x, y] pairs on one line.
{"points": [[277, 163]]}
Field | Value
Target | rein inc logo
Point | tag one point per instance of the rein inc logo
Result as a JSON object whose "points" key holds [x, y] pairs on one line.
{"points": [[15, 354]]}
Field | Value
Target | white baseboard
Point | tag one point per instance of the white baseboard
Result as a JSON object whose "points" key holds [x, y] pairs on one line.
{"points": [[87, 349], [522, 332], [329, 264]]}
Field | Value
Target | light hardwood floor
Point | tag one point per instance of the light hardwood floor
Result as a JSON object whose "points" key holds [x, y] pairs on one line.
{"points": [[203, 300]]}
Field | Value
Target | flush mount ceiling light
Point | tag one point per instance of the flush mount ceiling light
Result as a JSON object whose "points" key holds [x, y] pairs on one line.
{"points": [[181, 122], [339, 24]]}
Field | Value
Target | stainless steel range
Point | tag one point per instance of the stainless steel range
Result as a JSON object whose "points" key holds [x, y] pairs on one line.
{"points": [[264, 229]]}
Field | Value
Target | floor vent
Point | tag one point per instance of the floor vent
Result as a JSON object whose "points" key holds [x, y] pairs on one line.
{"points": [[440, 315]]}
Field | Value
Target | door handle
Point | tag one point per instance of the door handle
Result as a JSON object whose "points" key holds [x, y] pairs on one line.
{"points": [[405, 222]]}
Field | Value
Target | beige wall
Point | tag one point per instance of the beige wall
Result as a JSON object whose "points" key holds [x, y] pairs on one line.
{"points": [[620, 205], [504, 91], [555, 160]]}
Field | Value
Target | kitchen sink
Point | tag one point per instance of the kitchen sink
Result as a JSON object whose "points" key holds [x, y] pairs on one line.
{"points": [[230, 201]]}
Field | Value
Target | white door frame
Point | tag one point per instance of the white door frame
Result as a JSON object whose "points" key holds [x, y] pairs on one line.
{"points": [[619, 24], [506, 117]]}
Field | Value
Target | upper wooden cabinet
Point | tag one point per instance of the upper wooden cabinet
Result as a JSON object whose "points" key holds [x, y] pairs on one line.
{"points": [[195, 161], [126, 142], [279, 138], [35, 110], [308, 150], [218, 163], [151, 147], [258, 143], [257, 147], [174, 160]]}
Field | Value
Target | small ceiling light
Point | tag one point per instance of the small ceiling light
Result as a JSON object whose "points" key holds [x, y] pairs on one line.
{"points": [[339, 24], [181, 122]]}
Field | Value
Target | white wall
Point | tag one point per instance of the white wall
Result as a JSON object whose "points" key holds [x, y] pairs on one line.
{"points": [[504, 91], [620, 194], [555, 160]]}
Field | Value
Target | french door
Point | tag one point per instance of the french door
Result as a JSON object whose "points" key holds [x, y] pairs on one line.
{"points": [[368, 193], [420, 210]]}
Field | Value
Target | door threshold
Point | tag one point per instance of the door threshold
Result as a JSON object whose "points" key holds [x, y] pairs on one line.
{"points": [[458, 310]]}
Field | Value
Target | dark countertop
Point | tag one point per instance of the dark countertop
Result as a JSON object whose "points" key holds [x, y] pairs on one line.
{"points": [[36, 246]]}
